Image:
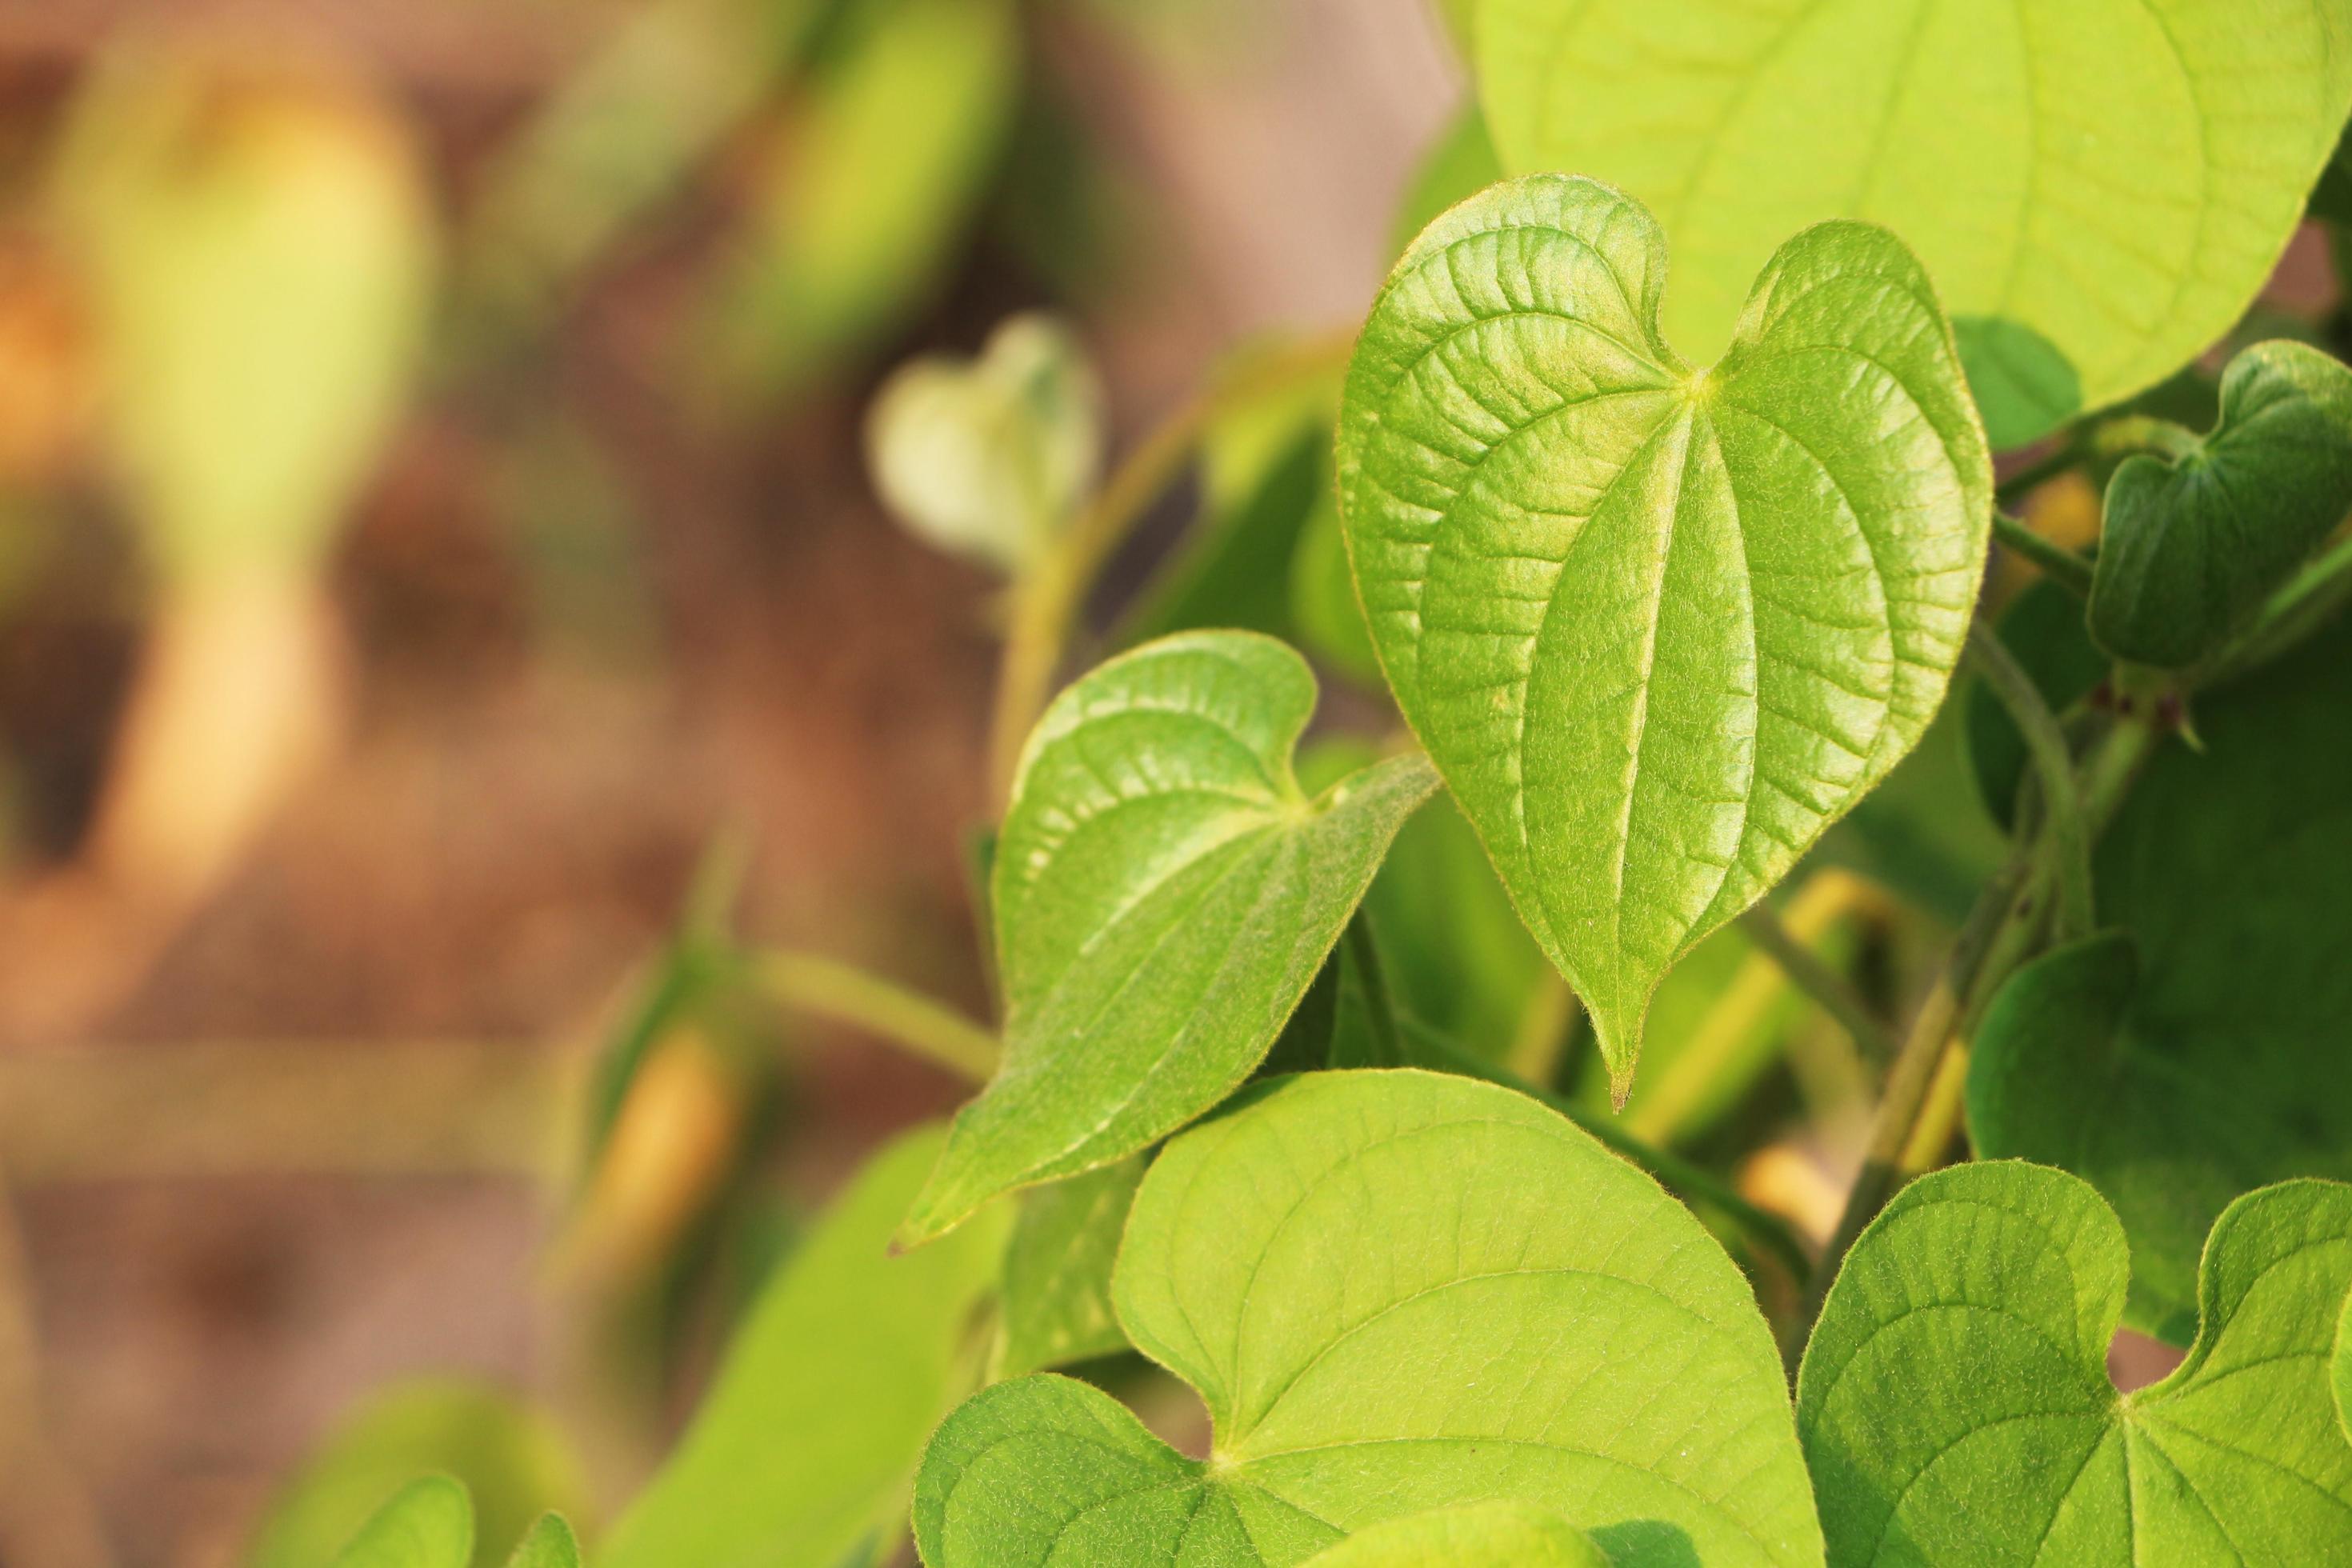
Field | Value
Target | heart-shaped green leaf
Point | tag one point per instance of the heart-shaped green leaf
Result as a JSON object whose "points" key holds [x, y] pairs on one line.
{"points": [[428, 1523], [803, 1446], [2217, 1066], [1955, 1406], [991, 458], [1055, 1302], [2099, 186], [1657, 626], [1397, 1291], [1480, 1535], [2191, 545], [1164, 893]]}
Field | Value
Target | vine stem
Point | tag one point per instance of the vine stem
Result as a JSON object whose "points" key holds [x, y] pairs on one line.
{"points": [[1047, 601], [2068, 845], [828, 988], [1827, 988], [2060, 565]]}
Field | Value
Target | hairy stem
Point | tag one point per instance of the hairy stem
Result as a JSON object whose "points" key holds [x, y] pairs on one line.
{"points": [[2060, 565], [828, 988]]}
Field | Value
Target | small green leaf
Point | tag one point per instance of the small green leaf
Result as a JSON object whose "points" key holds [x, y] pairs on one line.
{"points": [[1482, 1535], [805, 1443], [1955, 1406], [1397, 1291], [549, 1545], [1056, 1302], [2215, 1067], [1164, 893], [991, 458], [2099, 187], [1657, 626], [427, 1523], [2190, 547], [506, 1454]]}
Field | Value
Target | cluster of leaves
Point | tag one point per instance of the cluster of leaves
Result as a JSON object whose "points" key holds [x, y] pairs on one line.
{"points": [[1653, 624]]}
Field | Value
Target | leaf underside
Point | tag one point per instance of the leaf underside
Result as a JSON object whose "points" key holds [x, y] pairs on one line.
{"points": [[1657, 627], [1164, 893], [1397, 1291], [2215, 1064], [1955, 1406], [2099, 186], [2190, 548]]}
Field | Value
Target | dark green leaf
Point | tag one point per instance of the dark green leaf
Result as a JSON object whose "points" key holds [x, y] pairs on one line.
{"points": [[1659, 627], [2222, 1069], [1955, 1406], [1164, 893], [2042, 628], [2192, 547]]}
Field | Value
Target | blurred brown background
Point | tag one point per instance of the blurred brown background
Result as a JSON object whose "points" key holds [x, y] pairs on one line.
{"points": [[276, 1125]]}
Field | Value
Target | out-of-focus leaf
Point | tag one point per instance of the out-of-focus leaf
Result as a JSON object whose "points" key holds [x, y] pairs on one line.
{"points": [[626, 130], [882, 170], [506, 1454], [1055, 1305], [1164, 895], [1265, 466], [261, 255], [1923, 834], [2043, 629], [991, 458], [2055, 164], [1323, 609], [1459, 164], [549, 1545], [1659, 626], [2217, 1065], [426, 1524], [805, 1444], [2191, 546]]}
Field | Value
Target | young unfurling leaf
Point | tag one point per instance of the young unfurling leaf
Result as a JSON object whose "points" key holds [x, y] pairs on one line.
{"points": [[2191, 545], [1397, 1291], [1164, 893], [2099, 187], [1657, 625], [1955, 1406]]}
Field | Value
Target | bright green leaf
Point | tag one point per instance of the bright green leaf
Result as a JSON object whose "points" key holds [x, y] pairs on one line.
{"points": [[805, 1444], [427, 1523], [1056, 1303], [549, 1545], [2099, 187], [1955, 1406], [1481, 1535], [2342, 1367], [1658, 627], [2190, 547], [1397, 1291], [508, 1455], [1164, 893], [991, 458], [2221, 1069]]}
